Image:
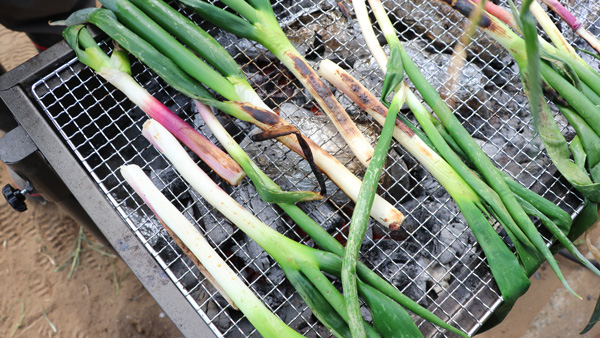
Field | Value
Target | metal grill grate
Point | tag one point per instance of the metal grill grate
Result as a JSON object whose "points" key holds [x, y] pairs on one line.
{"points": [[433, 259]]}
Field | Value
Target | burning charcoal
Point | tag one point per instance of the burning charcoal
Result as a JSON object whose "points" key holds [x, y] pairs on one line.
{"points": [[251, 254], [321, 35], [273, 296], [172, 186], [325, 214], [217, 228], [367, 72], [394, 261], [454, 239], [295, 312]]}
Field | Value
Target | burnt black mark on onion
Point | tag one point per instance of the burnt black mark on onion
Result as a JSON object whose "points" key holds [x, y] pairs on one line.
{"points": [[260, 114], [287, 130], [465, 8]]}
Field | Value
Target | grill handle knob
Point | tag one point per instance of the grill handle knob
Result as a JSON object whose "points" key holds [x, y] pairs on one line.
{"points": [[15, 197]]}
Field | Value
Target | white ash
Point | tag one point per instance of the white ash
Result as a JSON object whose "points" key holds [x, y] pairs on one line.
{"points": [[149, 227]]}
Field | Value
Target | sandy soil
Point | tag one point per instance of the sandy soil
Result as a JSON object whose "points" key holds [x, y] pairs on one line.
{"points": [[102, 298]]}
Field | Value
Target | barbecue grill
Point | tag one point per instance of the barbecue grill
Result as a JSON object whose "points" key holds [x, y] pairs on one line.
{"points": [[69, 131]]}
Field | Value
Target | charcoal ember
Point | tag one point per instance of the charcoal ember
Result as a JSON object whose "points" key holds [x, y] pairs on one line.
{"points": [[368, 73], [431, 186], [251, 254], [295, 312], [439, 273], [172, 186], [217, 228], [412, 214], [434, 215], [185, 270], [317, 331], [273, 295], [401, 264]]}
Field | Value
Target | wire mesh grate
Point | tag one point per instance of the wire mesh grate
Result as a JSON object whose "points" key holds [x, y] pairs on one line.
{"points": [[433, 258]]}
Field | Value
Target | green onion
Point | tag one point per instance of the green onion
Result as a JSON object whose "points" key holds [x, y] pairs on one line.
{"points": [[383, 212], [323, 239], [302, 265], [509, 275], [115, 69], [360, 218], [220, 274], [258, 22], [483, 164]]}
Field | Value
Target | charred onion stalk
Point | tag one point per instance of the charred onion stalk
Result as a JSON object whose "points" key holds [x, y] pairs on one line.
{"points": [[258, 23], [382, 211], [211, 264], [302, 265], [321, 237], [115, 69]]}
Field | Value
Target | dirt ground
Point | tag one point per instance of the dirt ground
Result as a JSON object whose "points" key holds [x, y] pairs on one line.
{"points": [[102, 298]]}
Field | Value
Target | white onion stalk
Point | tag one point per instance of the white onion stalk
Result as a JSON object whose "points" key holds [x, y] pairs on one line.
{"points": [[225, 279]]}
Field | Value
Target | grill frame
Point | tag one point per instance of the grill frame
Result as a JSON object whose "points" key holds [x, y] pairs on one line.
{"points": [[14, 92]]}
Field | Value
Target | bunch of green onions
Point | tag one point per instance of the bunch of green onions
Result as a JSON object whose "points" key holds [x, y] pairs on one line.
{"points": [[214, 268], [302, 265], [257, 22], [506, 200], [79, 38], [562, 70], [168, 58], [323, 239]]}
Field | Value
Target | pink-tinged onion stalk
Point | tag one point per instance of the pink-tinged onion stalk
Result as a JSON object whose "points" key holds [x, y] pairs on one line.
{"points": [[573, 22], [115, 70], [219, 273]]}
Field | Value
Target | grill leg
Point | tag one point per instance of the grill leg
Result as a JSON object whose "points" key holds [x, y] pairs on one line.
{"points": [[22, 156]]}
